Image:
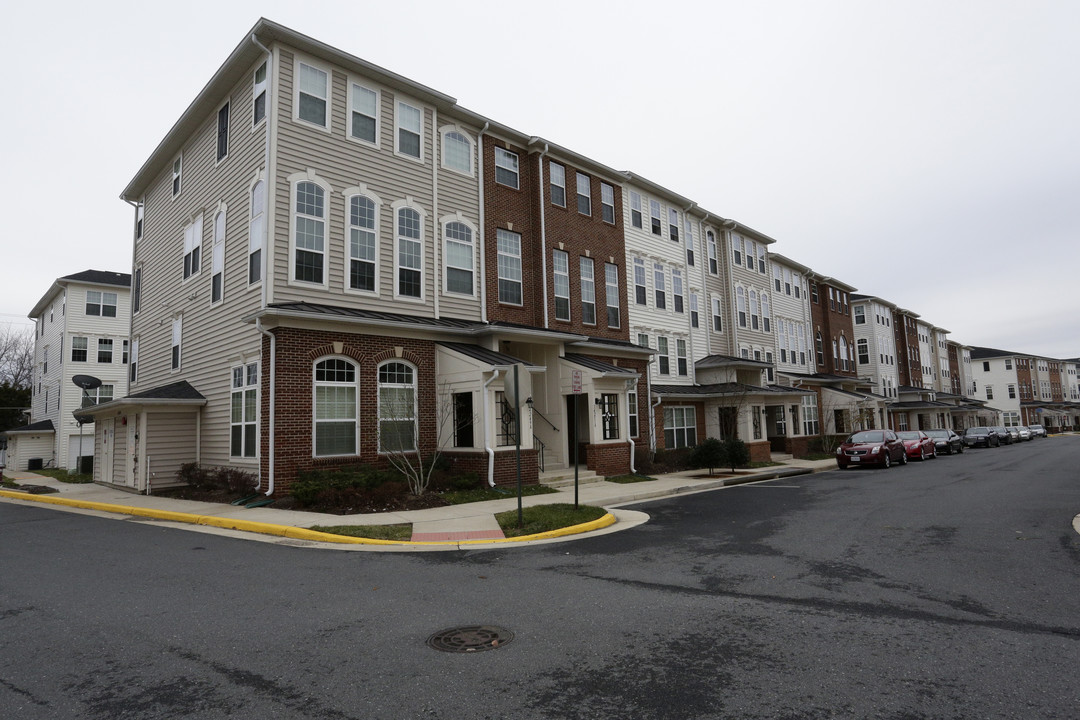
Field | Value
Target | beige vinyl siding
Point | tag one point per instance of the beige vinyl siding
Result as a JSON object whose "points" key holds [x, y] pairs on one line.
{"points": [[170, 443], [214, 338], [343, 163], [459, 193]]}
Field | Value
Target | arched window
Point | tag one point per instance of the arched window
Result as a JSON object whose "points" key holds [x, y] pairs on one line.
{"points": [[740, 304], [459, 258], [819, 349], [335, 408], [766, 315], [754, 310], [309, 233], [410, 253], [843, 352], [397, 407], [256, 231], [457, 151], [363, 243]]}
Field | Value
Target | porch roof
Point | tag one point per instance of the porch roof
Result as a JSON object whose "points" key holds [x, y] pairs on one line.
{"points": [[600, 366], [41, 426], [488, 357], [179, 394], [725, 389]]}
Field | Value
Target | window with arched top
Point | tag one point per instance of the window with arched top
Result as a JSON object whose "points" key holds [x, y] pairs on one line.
{"points": [[457, 152], [397, 407], [460, 256], [410, 253], [740, 305], [335, 408], [363, 243], [309, 232]]}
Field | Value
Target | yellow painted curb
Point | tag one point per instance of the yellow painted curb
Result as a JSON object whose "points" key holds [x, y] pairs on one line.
{"points": [[295, 533]]}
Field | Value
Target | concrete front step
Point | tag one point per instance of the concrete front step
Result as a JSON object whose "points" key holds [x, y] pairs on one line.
{"points": [[564, 477], [781, 457]]}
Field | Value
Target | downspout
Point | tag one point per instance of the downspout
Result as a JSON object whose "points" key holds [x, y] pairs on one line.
{"points": [[690, 349], [267, 215], [436, 275], [480, 230], [734, 349], [487, 445], [273, 384], [543, 232], [652, 407], [705, 285], [631, 384]]}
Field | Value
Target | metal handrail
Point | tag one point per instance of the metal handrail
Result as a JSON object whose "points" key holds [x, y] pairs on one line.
{"points": [[544, 418], [540, 452]]}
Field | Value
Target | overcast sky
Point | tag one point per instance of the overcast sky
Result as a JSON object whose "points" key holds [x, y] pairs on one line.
{"points": [[924, 152]]}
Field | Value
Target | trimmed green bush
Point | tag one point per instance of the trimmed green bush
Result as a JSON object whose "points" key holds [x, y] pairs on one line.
{"points": [[709, 454]]}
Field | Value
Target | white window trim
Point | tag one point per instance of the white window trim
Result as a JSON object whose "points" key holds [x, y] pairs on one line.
{"points": [[611, 188], [256, 237], [242, 390], [446, 130], [177, 341], [611, 298], [583, 262], [217, 251], [191, 242], [349, 193], [294, 180], [315, 384], [501, 151], [228, 131], [350, 94], [443, 222], [177, 188], [378, 403], [409, 203], [299, 60], [256, 87], [562, 186], [398, 102], [521, 266], [555, 287]]}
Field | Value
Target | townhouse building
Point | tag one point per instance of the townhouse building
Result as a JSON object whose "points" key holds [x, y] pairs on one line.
{"points": [[875, 344], [333, 264], [906, 335], [81, 328], [1029, 389]]}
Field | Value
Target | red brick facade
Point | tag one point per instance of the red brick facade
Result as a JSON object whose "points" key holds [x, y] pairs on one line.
{"points": [[909, 359], [505, 465], [830, 316]]}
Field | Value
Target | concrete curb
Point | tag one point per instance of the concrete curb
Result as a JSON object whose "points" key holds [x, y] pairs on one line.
{"points": [[288, 531]]}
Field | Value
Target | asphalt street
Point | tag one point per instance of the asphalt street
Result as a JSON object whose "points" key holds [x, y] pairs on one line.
{"points": [[943, 589]]}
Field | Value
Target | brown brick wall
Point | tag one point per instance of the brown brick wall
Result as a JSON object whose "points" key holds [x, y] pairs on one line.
{"points": [[797, 446], [505, 466], [609, 459], [833, 323], [760, 451]]}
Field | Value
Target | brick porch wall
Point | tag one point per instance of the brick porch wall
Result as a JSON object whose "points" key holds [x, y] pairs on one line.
{"points": [[760, 451], [609, 459], [505, 466]]}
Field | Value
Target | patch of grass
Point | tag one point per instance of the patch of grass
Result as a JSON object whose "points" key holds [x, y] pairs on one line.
{"points": [[460, 497], [9, 483], [373, 532], [64, 476], [624, 479], [542, 518]]}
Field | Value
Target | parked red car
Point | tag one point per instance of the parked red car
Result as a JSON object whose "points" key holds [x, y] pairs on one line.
{"points": [[918, 444], [871, 447]]}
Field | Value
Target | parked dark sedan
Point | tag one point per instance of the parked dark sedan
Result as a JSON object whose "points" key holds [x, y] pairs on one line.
{"points": [[871, 447], [917, 444], [981, 436], [946, 441], [1003, 435]]}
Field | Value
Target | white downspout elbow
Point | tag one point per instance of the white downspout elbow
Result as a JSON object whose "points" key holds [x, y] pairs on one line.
{"points": [[487, 445]]}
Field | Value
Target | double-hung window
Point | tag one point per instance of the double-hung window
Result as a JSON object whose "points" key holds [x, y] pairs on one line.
{"points": [[256, 232], [680, 357], [104, 350], [588, 291], [607, 203], [258, 94], [177, 174], [659, 286], [754, 310], [78, 349], [632, 410], [509, 267], [335, 408], [673, 224], [459, 258], [133, 374], [677, 289], [312, 93], [309, 218], [100, 304], [640, 291], [717, 320], [710, 243], [217, 259], [740, 305], [737, 249], [761, 259], [363, 114], [223, 132], [584, 194], [244, 411], [192, 247], [410, 254], [410, 128], [611, 294], [397, 407], [561, 264], [694, 317], [635, 209], [766, 314], [689, 227], [557, 174], [654, 217], [860, 315], [680, 427], [363, 243], [506, 168], [663, 360], [177, 337]]}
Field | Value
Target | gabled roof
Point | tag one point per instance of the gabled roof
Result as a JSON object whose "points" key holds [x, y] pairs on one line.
{"points": [[181, 390], [978, 353], [86, 277], [729, 361]]}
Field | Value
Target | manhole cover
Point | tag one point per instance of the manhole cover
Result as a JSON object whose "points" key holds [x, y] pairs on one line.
{"points": [[472, 638]]}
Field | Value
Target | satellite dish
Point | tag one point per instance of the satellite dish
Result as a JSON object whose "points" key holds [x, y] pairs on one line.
{"points": [[86, 382]]}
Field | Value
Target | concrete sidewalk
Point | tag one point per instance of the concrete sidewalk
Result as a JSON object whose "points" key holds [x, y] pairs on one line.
{"points": [[469, 525]]}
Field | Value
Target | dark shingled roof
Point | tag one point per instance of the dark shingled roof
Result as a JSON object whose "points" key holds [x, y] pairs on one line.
{"points": [[598, 365], [40, 426], [181, 390], [101, 277], [726, 389], [725, 360], [334, 311], [484, 355]]}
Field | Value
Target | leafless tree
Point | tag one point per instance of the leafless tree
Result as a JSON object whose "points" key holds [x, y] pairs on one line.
{"points": [[16, 356], [415, 457]]}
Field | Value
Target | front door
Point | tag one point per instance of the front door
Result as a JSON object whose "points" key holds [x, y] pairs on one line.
{"points": [[108, 429], [573, 421]]}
